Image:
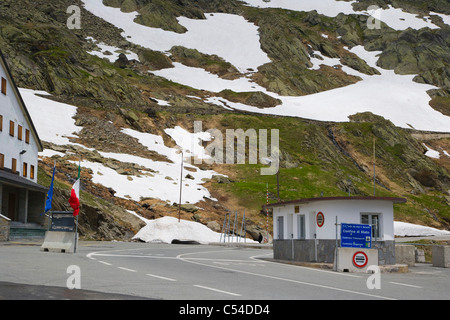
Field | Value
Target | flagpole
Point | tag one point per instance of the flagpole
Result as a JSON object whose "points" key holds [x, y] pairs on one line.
{"points": [[50, 195], [76, 224]]}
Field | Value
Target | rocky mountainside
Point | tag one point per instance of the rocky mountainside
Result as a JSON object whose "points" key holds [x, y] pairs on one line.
{"points": [[140, 70]]}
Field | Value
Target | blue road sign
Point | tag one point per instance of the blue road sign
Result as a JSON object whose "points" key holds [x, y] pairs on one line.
{"points": [[356, 235]]}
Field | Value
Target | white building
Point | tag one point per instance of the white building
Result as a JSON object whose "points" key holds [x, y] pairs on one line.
{"points": [[305, 229], [22, 200]]}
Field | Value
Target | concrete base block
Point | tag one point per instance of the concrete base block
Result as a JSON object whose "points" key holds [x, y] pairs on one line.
{"points": [[405, 254], [355, 259], [58, 241], [441, 256]]}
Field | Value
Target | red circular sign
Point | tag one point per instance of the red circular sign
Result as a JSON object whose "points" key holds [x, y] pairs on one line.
{"points": [[360, 259], [320, 219]]}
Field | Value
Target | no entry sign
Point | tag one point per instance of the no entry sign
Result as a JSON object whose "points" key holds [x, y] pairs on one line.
{"points": [[360, 259], [320, 219]]}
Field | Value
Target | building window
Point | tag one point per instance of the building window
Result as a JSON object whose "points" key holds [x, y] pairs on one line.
{"points": [[2, 160], [301, 227], [14, 165], [4, 86], [25, 169], [32, 172], [374, 220], [19, 132], [11, 128], [27, 136], [1, 123]]}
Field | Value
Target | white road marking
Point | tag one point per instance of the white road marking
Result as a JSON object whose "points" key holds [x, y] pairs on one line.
{"points": [[126, 269], [159, 277], [406, 285], [217, 290], [282, 279], [108, 264]]}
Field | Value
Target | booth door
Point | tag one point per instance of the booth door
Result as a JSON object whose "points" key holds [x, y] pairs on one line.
{"points": [[280, 227], [301, 227]]}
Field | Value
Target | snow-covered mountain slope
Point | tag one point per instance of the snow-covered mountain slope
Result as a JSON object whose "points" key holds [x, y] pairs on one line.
{"points": [[395, 97], [155, 179]]}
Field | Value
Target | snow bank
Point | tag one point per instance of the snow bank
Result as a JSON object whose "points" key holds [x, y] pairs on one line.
{"points": [[404, 229], [166, 229]]}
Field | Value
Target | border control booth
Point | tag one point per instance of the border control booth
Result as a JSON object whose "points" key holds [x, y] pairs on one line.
{"points": [[309, 229]]}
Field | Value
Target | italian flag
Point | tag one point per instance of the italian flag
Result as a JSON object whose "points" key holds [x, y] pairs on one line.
{"points": [[74, 200]]}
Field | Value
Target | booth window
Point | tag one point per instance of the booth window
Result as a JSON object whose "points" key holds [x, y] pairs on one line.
{"points": [[374, 220]]}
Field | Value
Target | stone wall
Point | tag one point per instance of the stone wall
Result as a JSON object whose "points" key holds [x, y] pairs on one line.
{"points": [[4, 228], [305, 250]]}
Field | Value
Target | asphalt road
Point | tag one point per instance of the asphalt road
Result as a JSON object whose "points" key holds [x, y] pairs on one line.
{"points": [[122, 271]]}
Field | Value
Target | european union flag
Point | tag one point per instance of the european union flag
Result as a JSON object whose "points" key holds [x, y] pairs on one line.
{"points": [[48, 202]]}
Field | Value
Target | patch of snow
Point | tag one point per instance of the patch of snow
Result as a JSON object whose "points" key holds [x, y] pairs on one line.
{"points": [[198, 78], [53, 120], [48, 153], [190, 142], [431, 153], [115, 52], [404, 229]]}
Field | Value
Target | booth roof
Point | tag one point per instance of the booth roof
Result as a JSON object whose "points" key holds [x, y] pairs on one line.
{"points": [[307, 200]]}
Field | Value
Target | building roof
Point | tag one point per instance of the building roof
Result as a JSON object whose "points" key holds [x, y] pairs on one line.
{"points": [[22, 105], [18, 181], [307, 200]]}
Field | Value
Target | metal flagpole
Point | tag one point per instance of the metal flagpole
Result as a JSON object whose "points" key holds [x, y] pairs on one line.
{"points": [[181, 185], [79, 196], [374, 175], [267, 211], [234, 226], [223, 228]]}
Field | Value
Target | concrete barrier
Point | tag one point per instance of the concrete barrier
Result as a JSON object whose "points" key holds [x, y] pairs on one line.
{"points": [[59, 241], [405, 254], [355, 259], [441, 256]]}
